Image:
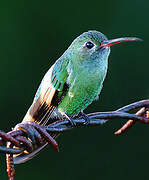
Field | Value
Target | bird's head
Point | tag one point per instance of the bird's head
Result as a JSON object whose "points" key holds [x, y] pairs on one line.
{"points": [[94, 46]]}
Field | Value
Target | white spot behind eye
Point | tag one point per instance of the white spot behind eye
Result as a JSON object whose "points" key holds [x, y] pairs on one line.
{"points": [[70, 94]]}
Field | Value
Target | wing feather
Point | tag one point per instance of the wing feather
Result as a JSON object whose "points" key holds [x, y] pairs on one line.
{"points": [[47, 95]]}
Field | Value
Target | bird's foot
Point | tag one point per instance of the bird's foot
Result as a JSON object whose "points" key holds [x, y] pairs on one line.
{"points": [[85, 117], [73, 123]]}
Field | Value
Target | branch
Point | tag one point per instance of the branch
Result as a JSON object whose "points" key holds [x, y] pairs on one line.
{"points": [[96, 119], [29, 136]]}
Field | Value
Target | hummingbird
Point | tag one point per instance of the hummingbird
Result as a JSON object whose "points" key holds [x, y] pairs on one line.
{"points": [[73, 82]]}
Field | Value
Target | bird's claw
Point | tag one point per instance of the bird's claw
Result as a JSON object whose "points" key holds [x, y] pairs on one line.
{"points": [[85, 117], [71, 120]]}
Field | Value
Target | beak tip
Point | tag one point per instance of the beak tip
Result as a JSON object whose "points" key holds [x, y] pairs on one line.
{"points": [[109, 43], [139, 39]]}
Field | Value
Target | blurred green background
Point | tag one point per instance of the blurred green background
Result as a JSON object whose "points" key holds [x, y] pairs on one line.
{"points": [[33, 34]]}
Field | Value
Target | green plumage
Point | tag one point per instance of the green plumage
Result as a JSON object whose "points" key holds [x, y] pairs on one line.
{"points": [[76, 78], [72, 83], [83, 70]]}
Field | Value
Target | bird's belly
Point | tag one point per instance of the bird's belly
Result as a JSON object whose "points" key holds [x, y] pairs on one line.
{"points": [[78, 98]]}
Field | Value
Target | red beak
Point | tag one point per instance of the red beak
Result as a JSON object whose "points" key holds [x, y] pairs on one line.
{"points": [[108, 43]]}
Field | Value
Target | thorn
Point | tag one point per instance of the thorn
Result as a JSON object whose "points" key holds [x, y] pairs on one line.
{"points": [[56, 148], [118, 132]]}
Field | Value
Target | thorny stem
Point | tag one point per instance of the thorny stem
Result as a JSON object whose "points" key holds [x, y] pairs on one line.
{"points": [[12, 138], [99, 118], [136, 105], [10, 163], [131, 122], [96, 119]]}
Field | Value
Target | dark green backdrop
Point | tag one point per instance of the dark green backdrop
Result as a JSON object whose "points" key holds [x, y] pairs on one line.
{"points": [[33, 34]]}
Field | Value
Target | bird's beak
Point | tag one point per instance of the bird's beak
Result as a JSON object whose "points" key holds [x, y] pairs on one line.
{"points": [[108, 43]]}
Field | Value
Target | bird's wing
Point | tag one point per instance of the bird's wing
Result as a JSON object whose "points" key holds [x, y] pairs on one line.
{"points": [[49, 93]]}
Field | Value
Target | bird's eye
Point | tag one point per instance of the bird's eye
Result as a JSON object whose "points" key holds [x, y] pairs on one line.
{"points": [[89, 45]]}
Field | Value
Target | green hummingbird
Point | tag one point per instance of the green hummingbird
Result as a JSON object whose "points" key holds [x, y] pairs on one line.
{"points": [[74, 81]]}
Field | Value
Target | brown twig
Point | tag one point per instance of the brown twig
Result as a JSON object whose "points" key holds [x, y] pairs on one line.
{"points": [[10, 163], [130, 123], [32, 135]]}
